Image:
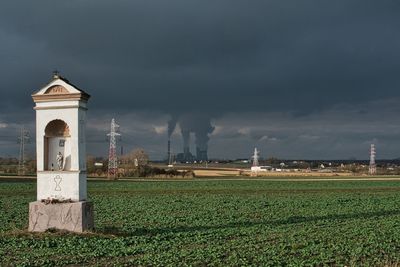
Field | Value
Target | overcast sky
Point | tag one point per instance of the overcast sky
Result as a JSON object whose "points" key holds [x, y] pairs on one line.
{"points": [[299, 79]]}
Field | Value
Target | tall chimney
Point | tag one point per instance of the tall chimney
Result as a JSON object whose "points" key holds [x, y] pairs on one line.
{"points": [[169, 151]]}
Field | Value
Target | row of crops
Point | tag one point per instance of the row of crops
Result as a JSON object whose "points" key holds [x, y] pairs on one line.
{"points": [[214, 223]]}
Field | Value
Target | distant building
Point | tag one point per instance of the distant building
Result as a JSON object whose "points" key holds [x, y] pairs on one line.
{"points": [[185, 157], [261, 168]]}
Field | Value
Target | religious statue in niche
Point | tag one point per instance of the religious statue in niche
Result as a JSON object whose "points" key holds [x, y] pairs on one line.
{"points": [[60, 160]]}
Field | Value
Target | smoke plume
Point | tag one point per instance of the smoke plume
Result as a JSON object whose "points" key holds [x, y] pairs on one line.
{"points": [[171, 125], [198, 124]]}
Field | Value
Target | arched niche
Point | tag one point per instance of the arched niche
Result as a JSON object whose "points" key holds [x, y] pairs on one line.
{"points": [[57, 140]]}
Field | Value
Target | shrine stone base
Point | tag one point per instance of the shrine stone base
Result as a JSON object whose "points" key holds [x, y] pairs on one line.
{"points": [[75, 217]]}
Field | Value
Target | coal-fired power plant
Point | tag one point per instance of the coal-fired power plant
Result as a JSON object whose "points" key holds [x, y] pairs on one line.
{"points": [[201, 127]]}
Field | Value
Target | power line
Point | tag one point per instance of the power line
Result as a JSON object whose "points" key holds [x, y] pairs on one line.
{"points": [[112, 155], [23, 139], [372, 164], [255, 157]]}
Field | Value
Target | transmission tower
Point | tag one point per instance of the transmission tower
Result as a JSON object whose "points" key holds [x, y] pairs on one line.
{"points": [[23, 139], [372, 164], [255, 157], [112, 156]]}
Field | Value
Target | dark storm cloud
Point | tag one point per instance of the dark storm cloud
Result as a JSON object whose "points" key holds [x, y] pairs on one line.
{"points": [[212, 57], [342, 132], [223, 53]]}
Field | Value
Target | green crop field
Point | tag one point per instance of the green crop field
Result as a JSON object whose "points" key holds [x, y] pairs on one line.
{"points": [[214, 223]]}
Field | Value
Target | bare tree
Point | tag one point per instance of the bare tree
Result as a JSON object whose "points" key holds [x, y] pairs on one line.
{"points": [[138, 157]]}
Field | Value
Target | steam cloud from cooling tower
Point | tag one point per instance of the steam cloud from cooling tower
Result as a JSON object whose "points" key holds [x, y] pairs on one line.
{"points": [[198, 124]]}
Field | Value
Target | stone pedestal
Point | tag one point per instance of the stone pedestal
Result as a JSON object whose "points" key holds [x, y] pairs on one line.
{"points": [[74, 217]]}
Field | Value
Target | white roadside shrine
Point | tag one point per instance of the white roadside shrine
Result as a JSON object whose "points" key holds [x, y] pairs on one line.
{"points": [[61, 159]]}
